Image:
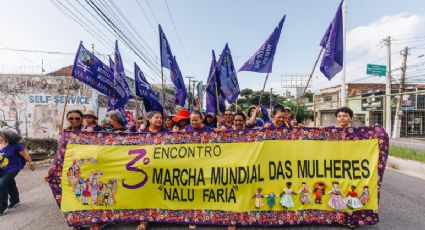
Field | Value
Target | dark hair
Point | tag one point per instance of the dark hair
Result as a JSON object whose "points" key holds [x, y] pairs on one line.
{"points": [[213, 124], [197, 113], [240, 114], [149, 116], [277, 108], [10, 135], [288, 183], [344, 110], [152, 113], [74, 111]]}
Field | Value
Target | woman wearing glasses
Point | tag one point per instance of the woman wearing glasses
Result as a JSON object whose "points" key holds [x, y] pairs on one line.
{"points": [[75, 120]]}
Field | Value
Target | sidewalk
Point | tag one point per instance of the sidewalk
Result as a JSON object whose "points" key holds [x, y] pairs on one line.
{"points": [[407, 167]]}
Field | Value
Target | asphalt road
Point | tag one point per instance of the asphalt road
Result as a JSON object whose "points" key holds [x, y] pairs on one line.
{"points": [[402, 206]]}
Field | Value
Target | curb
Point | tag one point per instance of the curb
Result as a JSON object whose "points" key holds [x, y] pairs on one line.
{"points": [[407, 167]]}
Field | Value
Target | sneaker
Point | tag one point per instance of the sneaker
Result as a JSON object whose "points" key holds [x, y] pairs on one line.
{"points": [[13, 205], [3, 212]]}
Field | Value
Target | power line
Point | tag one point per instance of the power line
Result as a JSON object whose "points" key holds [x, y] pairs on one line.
{"points": [[37, 51], [178, 36], [150, 9], [22, 56], [146, 15]]}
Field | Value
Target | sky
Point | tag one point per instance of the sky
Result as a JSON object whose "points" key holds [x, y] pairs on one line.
{"points": [[195, 27]]}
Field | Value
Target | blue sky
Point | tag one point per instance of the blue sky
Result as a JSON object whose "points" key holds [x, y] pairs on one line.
{"points": [[205, 25]]}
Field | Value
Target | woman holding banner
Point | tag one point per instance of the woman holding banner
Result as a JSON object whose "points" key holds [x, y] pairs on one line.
{"points": [[239, 121], [155, 123], [280, 118], [343, 115], [75, 120], [117, 121], [196, 124]]}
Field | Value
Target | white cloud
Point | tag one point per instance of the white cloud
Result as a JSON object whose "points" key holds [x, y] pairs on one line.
{"points": [[366, 38], [363, 47]]}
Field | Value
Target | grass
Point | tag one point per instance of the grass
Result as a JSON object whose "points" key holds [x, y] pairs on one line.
{"points": [[408, 154]]}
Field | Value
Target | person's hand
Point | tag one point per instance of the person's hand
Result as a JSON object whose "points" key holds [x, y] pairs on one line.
{"points": [[267, 125], [48, 176], [32, 166], [223, 128]]}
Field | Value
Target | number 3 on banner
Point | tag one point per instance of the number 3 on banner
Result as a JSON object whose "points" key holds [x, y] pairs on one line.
{"points": [[130, 167]]}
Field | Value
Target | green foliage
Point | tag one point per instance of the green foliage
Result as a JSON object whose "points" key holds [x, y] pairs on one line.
{"points": [[406, 153], [251, 97]]}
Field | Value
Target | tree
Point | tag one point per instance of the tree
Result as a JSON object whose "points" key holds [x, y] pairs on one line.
{"points": [[246, 93]]}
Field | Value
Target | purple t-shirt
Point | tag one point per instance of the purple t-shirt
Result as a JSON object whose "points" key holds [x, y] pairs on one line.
{"points": [[286, 124], [258, 123], [10, 159], [163, 129], [189, 128]]}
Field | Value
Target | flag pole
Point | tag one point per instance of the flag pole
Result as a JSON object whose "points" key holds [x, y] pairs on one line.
{"points": [[163, 92], [344, 27], [137, 112], [216, 99], [308, 82], [262, 91], [68, 83]]}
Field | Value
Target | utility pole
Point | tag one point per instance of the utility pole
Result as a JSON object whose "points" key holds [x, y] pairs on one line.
{"points": [[193, 89], [188, 100], [387, 114], [398, 111], [271, 98], [344, 72]]}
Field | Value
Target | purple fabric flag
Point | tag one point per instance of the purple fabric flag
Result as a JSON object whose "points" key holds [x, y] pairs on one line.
{"points": [[227, 78], [165, 50], [145, 91], [262, 60], [122, 92], [211, 97], [180, 92], [264, 113], [332, 43], [90, 70]]}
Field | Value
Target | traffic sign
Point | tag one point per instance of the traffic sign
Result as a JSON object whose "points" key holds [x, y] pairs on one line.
{"points": [[378, 70]]}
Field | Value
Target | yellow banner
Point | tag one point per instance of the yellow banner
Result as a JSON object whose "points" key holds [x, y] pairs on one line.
{"points": [[235, 177]]}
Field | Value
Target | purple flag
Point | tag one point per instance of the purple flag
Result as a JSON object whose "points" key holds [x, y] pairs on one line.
{"points": [[121, 90], [262, 60], [264, 113], [165, 50], [89, 69], [145, 91], [211, 97], [180, 92], [332, 43], [227, 78]]}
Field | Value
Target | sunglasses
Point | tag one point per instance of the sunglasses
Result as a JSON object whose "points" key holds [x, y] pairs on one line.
{"points": [[227, 114], [74, 118], [88, 116]]}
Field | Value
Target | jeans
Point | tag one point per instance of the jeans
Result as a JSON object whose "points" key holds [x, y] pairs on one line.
{"points": [[8, 189]]}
